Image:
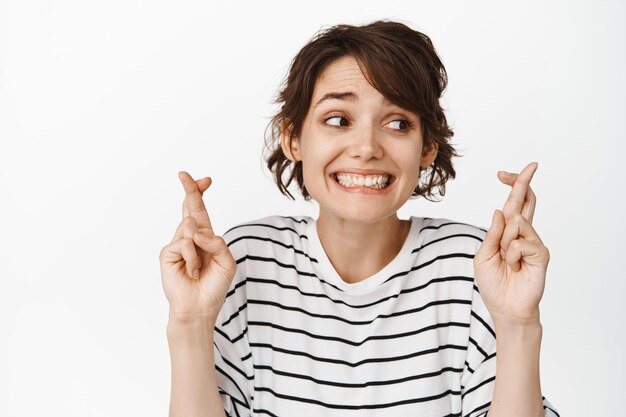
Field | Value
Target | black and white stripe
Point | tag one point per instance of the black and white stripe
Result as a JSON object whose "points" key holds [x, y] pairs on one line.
{"points": [[293, 339]]}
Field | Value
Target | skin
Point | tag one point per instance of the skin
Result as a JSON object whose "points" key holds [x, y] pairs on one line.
{"points": [[510, 265]]}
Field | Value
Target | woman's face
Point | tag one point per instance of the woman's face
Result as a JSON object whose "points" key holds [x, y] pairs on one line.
{"points": [[360, 153]]}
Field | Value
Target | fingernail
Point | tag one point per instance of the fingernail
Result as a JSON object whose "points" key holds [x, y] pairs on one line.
{"points": [[196, 274], [506, 173]]}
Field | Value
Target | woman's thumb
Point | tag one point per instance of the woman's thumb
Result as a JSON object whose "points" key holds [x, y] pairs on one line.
{"points": [[491, 243]]}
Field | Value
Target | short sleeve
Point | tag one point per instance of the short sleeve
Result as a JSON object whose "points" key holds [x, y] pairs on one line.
{"points": [[479, 372], [233, 360]]}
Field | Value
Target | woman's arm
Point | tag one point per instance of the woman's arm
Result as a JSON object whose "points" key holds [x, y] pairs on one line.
{"points": [[517, 389], [194, 383]]}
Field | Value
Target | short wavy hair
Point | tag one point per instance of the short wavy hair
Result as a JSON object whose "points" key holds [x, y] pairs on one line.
{"points": [[399, 62]]}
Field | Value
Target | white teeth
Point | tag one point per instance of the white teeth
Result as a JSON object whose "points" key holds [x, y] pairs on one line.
{"points": [[372, 181]]}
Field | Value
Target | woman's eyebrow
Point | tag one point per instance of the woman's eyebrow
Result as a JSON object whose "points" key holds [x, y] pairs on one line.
{"points": [[348, 95]]}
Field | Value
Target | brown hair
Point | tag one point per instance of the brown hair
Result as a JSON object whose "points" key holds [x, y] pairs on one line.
{"points": [[399, 62]]}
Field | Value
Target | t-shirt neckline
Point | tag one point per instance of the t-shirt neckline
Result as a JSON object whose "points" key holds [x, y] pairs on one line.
{"points": [[327, 271]]}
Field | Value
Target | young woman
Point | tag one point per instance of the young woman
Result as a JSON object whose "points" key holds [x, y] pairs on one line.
{"points": [[358, 312]]}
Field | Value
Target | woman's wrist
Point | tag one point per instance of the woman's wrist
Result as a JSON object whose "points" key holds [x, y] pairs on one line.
{"points": [[188, 326], [514, 334], [516, 324]]}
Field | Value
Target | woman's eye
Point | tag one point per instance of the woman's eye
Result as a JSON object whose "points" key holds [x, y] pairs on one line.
{"points": [[399, 124], [337, 121]]}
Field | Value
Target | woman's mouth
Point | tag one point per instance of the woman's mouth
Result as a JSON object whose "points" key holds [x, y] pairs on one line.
{"points": [[377, 182]]}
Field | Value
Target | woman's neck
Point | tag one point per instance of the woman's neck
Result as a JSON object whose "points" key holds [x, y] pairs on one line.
{"points": [[359, 250]]}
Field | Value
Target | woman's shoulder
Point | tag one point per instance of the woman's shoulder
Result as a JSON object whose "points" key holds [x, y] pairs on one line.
{"points": [[444, 225], [270, 227], [268, 238], [432, 230]]}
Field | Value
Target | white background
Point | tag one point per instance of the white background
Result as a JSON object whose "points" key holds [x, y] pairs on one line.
{"points": [[102, 103]]}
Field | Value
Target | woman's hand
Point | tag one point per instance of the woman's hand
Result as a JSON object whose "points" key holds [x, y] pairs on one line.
{"points": [[511, 263], [196, 267]]}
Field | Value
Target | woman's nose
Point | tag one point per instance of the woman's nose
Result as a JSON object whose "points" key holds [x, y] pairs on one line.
{"points": [[365, 143]]}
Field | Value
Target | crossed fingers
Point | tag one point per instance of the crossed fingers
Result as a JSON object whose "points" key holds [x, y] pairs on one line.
{"points": [[193, 205], [195, 220], [519, 208], [521, 199]]}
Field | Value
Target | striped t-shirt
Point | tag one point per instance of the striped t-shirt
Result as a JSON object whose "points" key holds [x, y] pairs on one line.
{"points": [[295, 340]]}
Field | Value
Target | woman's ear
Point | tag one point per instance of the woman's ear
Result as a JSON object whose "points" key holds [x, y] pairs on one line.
{"points": [[290, 146], [428, 156]]}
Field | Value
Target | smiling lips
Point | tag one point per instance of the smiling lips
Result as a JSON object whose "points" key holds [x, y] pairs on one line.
{"points": [[352, 180]]}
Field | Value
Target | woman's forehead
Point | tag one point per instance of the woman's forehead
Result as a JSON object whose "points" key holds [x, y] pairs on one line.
{"points": [[344, 80], [341, 69]]}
